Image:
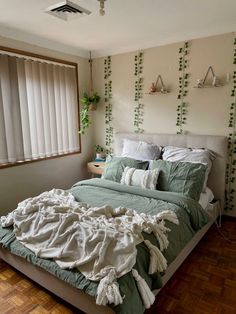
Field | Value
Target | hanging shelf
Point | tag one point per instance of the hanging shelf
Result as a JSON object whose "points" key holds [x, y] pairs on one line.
{"points": [[201, 83], [154, 90]]}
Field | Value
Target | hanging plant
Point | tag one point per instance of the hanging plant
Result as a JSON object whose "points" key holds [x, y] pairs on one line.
{"points": [[231, 166], [89, 102], [183, 84], [139, 106], [108, 105]]}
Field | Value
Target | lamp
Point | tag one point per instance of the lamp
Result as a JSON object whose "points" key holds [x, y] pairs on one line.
{"points": [[102, 7]]}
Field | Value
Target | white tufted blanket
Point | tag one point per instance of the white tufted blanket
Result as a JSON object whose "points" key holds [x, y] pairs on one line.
{"points": [[100, 242]]}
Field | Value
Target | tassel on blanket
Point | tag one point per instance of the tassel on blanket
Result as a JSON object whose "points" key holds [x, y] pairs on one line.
{"points": [[168, 215], [160, 229], [108, 290], [147, 296], [160, 232], [157, 260]]}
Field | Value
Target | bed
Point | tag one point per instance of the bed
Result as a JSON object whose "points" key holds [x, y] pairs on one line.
{"points": [[86, 302]]}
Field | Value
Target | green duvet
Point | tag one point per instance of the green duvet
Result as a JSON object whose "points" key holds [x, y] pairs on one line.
{"points": [[98, 192]]}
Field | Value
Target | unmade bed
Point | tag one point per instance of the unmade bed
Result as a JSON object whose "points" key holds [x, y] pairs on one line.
{"points": [[193, 224]]}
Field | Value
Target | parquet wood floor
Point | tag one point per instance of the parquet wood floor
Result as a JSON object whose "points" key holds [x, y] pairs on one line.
{"points": [[204, 284], [206, 281]]}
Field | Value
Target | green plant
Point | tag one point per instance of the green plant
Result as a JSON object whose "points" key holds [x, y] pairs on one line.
{"points": [[108, 104], [183, 84], [99, 149], [231, 166], [87, 101], [139, 106]]}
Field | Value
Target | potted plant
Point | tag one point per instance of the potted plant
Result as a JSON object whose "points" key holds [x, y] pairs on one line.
{"points": [[100, 152], [88, 103], [91, 101]]}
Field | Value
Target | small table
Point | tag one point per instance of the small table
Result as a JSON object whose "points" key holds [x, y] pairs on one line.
{"points": [[95, 167]]}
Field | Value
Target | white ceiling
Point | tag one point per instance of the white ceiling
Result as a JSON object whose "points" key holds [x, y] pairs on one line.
{"points": [[127, 25]]}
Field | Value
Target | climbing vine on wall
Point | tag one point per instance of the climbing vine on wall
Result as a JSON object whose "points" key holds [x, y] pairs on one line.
{"points": [[108, 105], [231, 166], [183, 84], [139, 106], [234, 51]]}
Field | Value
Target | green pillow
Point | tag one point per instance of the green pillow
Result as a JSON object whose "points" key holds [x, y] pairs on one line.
{"points": [[115, 166], [181, 177]]}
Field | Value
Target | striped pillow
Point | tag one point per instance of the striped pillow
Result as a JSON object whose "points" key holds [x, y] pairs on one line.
{"points": [[146, 179]]}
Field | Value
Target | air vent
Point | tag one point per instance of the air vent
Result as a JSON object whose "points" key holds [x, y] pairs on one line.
{"points": [[67, 10]]}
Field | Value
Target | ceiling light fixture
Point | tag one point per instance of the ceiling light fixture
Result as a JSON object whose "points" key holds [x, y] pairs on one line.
{"points": [[102, 7]]}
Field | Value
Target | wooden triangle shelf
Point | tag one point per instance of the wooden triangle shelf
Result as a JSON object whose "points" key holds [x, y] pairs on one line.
{"points": [[154, 90], [214, 83]]}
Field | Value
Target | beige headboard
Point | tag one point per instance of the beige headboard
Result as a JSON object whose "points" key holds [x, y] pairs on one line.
{"points": [[217, 144]]}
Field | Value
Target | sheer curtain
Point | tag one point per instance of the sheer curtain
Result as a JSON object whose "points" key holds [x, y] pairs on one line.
{"points": [[38, 109]]}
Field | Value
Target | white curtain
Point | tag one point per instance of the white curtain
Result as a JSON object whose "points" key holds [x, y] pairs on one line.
{"points": [[38, 109]]}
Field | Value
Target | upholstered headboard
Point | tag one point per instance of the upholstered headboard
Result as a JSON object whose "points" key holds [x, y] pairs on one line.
{"points": [[217, 144]]}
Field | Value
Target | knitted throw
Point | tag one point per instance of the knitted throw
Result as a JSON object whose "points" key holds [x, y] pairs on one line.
{"points": [[100, 242]]}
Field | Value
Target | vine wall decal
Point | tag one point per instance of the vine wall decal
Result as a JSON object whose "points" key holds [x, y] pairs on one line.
{"points": [[139, 106], [231, 166], [234, 51], [108, 105], [183, 84]]}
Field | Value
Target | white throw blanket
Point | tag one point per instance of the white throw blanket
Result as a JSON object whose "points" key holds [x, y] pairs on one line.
{"points": [[100, 242]]}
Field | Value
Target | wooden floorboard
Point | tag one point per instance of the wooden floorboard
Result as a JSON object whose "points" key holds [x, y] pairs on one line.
{"points": [[205, 283]]}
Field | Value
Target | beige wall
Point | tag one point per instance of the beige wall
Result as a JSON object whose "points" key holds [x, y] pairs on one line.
{"points": [[17, 183], [208, 110]]}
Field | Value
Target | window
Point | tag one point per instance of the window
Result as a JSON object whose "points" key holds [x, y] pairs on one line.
{"points": [[39, 114]]}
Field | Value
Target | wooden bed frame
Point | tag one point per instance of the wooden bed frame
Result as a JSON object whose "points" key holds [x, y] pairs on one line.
{"points": [[86, 303]]}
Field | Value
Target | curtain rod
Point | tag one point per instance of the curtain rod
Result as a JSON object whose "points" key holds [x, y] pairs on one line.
{"points": [[32, 58]]}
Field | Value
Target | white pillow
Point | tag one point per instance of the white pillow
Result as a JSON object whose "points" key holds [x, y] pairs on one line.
{"points": [[193, 155], [140, 150], [146, 179]]}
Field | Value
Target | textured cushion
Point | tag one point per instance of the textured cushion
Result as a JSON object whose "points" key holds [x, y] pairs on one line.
{"points": [[181, 177], [146, 179], [193, 155], [115, 166], [140, 150]]}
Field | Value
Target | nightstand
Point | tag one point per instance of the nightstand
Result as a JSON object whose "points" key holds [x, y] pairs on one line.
{"points": [[95, 167]]}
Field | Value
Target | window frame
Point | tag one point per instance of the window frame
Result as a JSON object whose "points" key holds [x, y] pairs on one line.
{"points": [[55, 60]]}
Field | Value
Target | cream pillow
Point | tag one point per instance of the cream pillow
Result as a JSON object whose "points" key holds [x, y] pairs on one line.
{"points": [[146, 179]]}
